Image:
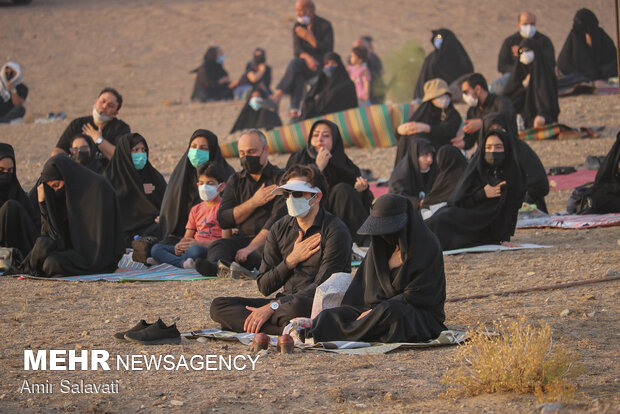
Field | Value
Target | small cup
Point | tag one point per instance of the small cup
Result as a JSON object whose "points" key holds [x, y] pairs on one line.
{"points": [[260, 342], [285, 344]]}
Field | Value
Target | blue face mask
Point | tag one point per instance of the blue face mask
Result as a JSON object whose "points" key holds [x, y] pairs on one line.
{"points": [[220, 59], [139, 159], [329, 70], [255, 103], [197, 157]]}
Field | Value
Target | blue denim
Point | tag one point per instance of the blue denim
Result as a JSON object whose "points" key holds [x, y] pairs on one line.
{"points": [[164, 253]]}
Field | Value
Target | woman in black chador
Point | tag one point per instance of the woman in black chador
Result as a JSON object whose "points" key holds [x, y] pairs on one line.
{"points": [[333, 92], [533, 86], [398, 293], [181, 192], [81, 231], [414, 175], [604, 196], [450, 165], [484, 206], [255, 114], [19, 221], [588, 50], [212, 81], [139, 186], [348, 197], [447, 61]]}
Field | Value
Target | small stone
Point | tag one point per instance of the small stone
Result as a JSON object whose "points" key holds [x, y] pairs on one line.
{"points": [[402, 369], [224, 347], [565, 312], [177, 403], [389, 397], [201, 339], [295, 394], [263, 353], [592, 314], [549, 407], [2, 396], [588, 297], [360, 405], [531, 273], [142, 407], [106, 321], [612, 273], [339, 400], [370, 394]]}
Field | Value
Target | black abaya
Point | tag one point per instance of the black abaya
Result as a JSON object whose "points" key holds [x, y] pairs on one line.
{"points": [[19, 221], [540, 97], [250, 118], [449, 62], [407, 302], [330, 94], [444, 125], [81, 231], [604, 195], [471, 218], [450, 165], [341, 173], [595, 62], [207, 86], [138, 209], [182, 193], [407, 179]]}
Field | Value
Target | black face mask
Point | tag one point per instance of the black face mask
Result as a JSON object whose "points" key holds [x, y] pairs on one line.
{"points": [[495, 159], [258, 59], [59, 195], [83, 157], [251, 164], [5, 178], [391, 239]]}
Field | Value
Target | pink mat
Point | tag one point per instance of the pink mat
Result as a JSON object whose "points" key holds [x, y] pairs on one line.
{"points": [[377, 191], [574, 180]]}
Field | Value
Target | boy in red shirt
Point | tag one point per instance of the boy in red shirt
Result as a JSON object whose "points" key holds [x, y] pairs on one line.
{"points": [[202, 226]]}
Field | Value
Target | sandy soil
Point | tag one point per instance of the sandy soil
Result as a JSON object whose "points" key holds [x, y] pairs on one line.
{"points": [[71, 49]]}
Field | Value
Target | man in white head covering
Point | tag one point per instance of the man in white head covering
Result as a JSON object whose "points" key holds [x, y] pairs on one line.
{"points": [[13, 93]]}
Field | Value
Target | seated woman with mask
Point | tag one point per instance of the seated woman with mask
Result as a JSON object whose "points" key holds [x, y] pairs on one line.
{"points": [[19, 222], [81, 231], [398, 293], [415, 174], [349, 197], [484, 206], [84, 151], [436, 119], [138, 185], [256, 114], [333, 92], [182, 193]]}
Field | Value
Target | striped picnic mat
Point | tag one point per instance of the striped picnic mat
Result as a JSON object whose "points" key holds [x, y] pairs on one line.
{"points": [[365, 127], [570, 221], [159, 273]]}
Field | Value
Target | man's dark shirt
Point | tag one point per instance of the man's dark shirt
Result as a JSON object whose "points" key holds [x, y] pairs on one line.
{"points": [[324, 35], [506, 59], [240, 187], [111, 131], [493, 103], [5, 107], [333, 257]]}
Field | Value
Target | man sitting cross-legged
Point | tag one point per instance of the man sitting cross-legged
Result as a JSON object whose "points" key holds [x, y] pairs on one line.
{"points": [[302, 250]]}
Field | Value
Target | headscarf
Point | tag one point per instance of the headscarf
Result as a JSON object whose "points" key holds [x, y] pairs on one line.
{"points": [[449, 62], [407, 179], [595, 62], [182, 193], [207, 84], [5, 92], [450, 165], [89, 210], [263, 118], [608, 172], [138, 209], [14, 190], [541, 95], [330, 94]]}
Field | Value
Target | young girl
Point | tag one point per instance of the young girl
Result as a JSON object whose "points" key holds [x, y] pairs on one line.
{"points": [[360, 75], [202, 226]]}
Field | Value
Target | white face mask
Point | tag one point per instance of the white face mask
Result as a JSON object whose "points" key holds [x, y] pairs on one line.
{"points": [[470, 100], [298, 207], [101, 119], [437, 42], [527, 57], [305, 20], [208, 192], [527, 30], [442, 102]]}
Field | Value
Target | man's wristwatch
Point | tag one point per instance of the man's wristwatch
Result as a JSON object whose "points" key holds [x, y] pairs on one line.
{"points": [[99, 141], [274, 305]]}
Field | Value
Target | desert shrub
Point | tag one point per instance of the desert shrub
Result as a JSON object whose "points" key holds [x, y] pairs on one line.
{"points": [[517, 357], [402, 67]]}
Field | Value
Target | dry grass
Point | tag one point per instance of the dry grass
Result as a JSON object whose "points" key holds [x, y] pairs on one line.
{"points": [[518, 358]]}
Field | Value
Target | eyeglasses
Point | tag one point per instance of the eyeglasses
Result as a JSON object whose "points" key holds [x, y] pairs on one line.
{"points": [[83, 148]]}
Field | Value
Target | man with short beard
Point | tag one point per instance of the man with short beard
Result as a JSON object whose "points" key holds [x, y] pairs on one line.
{"points": [[102, 126]]}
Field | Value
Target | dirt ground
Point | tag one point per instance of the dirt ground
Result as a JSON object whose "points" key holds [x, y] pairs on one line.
{"points": [[71, 49]]}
